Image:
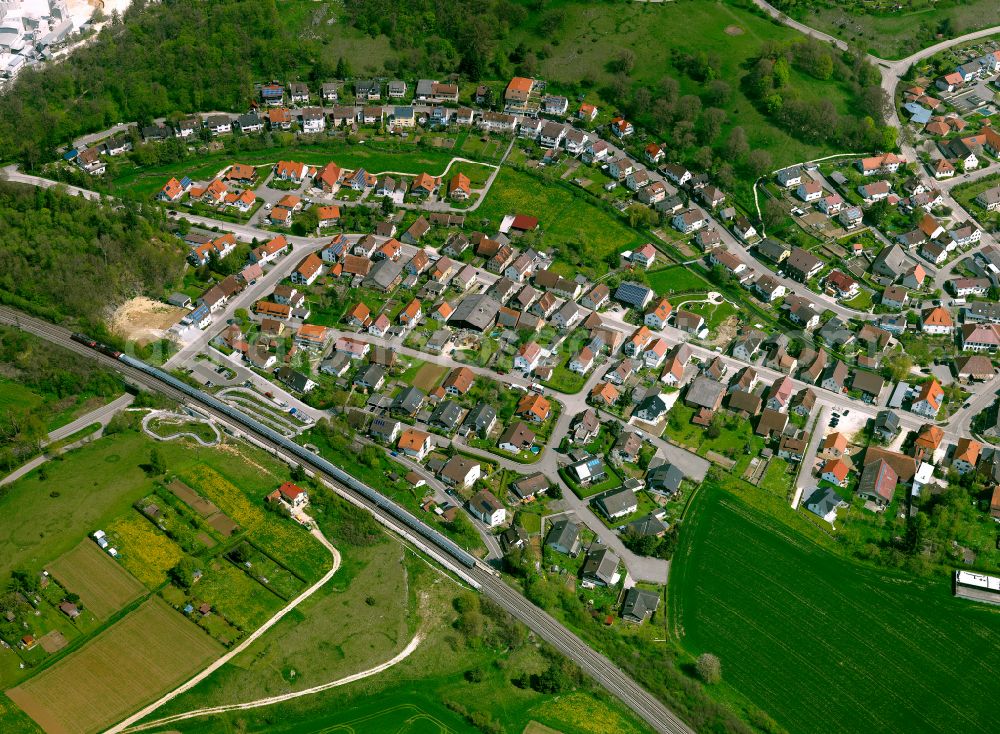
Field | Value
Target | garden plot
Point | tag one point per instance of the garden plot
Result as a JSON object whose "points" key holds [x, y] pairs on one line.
{"points": [[103, 586]]}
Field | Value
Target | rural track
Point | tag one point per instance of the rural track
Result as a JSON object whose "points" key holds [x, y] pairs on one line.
{"points": [[653, 711], [271, 700]]}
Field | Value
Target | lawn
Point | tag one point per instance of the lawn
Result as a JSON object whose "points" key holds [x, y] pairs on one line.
{"points": [[563, 379], [583, 233], [676, 279], [736, 437], [477, 173], [862, 302], [800, 630], [714, 314], [147, 652], [407, 158]]}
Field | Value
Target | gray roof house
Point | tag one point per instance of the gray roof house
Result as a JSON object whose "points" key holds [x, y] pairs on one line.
{"points": [[448, 415], [639, 604], [384, 275], [824, 503], [476, 312], [409, 401], [617, 503], [601, 567], [886, 424], [651, 409], [564, 537], [664, 479], [481, 418]]}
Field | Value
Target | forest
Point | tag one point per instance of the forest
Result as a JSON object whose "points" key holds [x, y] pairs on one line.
{"points": [[37, 382], [192, 55], [65, 257]]}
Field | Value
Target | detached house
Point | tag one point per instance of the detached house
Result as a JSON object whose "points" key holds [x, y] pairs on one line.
{"points": [[689, 220], [928, 401]]}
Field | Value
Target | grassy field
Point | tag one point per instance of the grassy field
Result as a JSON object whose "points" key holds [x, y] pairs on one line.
{"points": [[678, 279], [14, 396], [583, 233], [893, 35], [42, 519], [477, 173], [53, 411], [406, 158], [14, 720], [281, 538], [369, 601], [150, 650], [821, 643], [417, 696], [103, 586], [236, 596]]}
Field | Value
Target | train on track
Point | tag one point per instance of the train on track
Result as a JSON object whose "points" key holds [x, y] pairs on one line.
{"points": [[308, 458]]}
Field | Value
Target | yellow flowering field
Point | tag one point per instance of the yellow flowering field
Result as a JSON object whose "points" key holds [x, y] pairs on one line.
{"points": [[144, 551], [580, 712]]}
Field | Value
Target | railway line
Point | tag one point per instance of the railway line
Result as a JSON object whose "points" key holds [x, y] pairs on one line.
{"points": [[427, 540]]}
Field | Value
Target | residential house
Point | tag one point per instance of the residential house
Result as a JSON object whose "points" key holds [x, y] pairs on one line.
{"points": [[928, 401], [617, 503], [600, 567], [878, 482], [487, 508], [415, 444], [835, 471], [802, 265], [564, 537], [634, 295], [517, 438], [657, 317]]}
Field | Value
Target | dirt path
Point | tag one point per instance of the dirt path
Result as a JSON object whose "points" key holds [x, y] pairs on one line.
{"points": [[270, 700], [143, 713]]}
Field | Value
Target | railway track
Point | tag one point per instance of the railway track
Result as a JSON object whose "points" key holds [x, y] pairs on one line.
{"points": [[593, 663]]}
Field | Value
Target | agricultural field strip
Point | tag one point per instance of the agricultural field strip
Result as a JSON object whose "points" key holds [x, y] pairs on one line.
{"points": [[102, 585], [270, 700], [886, 668], [250, 639], [149, 649], [908, 672]]}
